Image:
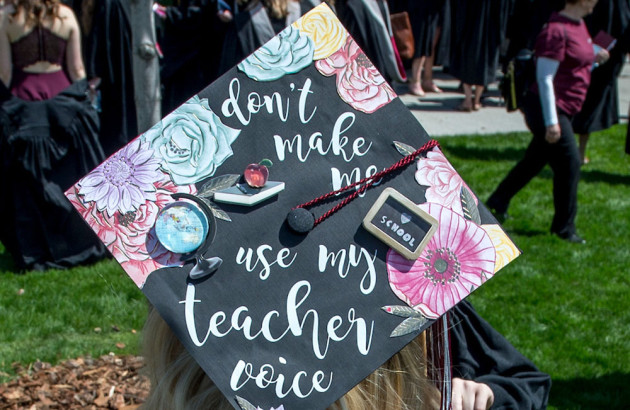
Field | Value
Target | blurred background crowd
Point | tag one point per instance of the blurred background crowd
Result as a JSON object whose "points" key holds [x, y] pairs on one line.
{"points": [[67, 95]]}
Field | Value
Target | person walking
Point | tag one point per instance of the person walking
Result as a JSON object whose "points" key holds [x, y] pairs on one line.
{"points": [[565, 56]]}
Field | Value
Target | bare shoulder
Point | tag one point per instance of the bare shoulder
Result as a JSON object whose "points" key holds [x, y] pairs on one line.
{"points": [[67, 21], [65, 11], [67, 14]]}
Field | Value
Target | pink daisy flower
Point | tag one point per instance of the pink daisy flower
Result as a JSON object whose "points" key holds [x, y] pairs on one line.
{"points": [[459, 257]]}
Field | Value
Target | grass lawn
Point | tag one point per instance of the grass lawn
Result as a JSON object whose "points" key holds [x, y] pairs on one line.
{"points": [[60, 314], [565, 306]]}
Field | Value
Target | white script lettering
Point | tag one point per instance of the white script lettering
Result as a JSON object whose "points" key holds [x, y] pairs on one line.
{"points": [[353, 260]]}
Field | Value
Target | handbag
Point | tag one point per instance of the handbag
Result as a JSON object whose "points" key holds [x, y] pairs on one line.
{"points": [[403, 35]]}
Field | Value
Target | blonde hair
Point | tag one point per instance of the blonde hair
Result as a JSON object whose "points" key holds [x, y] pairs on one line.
{"points": [[279, 9], [179, 383]]}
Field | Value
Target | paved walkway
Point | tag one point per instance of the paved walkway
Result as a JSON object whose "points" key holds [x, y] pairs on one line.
{"points": [[438, 115]]}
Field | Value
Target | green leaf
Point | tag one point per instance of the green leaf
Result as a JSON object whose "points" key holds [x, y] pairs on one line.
{"points": [[245, 405], [471, 212], [217, 184], [408, 325], [266, 162], [402, 311], [403, 148]]}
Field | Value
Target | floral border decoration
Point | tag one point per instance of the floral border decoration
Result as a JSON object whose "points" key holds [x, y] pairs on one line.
{"points": [[287, 53], [191, 142], [319, 36], [359, 83], [459, 257], [129, 236], [326, 31], [122, 197]]}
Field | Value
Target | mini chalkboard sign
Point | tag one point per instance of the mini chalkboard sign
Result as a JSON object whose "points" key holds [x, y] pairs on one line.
{"points": [[400, 224]]}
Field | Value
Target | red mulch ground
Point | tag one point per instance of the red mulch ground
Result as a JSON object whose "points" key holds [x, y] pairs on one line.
{"points": [[109, 382]]}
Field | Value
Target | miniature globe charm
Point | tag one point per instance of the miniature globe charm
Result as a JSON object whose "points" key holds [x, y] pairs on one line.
{"points": [[181, 227]]}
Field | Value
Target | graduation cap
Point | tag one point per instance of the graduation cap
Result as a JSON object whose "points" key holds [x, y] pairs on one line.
{"points": [[291, 283]]}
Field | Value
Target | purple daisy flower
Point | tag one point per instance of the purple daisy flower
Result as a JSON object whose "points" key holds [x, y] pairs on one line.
{"points": [[124, 181]]}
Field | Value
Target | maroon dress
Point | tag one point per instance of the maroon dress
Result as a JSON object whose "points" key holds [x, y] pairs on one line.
{"points": [[40, 44], [48, 140]]}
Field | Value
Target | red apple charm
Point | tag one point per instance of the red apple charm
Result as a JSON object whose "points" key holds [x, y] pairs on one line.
{"points": [[256, 174]]}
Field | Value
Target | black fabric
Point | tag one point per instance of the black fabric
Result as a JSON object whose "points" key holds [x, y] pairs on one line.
{"points": [[241, 39], [601, 107], [191, 39], [45, 147], [476, 30], [308, 5], [525, 22], [368, 34], [425, 19], [482, 354], [242, 36], [562, 156], [107, 50], [442, 26], [443, 46]]}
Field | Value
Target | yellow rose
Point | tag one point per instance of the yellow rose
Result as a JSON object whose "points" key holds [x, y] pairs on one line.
{"points": [[505, 248], [323, 27]]}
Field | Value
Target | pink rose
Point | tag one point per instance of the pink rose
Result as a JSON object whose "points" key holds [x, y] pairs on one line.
{"points": [[358, 82], [458, 258], [128, 236], [444, 183]]}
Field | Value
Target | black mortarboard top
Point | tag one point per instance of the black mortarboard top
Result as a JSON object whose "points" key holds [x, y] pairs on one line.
{"points": [[276, 316]]}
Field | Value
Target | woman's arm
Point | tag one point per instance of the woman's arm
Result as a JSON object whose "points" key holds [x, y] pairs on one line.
{"points": [[6, 65], [546, 69], [481, 354], [74, 59]]}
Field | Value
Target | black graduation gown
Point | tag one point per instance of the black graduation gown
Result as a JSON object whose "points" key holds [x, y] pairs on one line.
{"points": [[443, 47], [107, 51], [476, 38], [441, 20], [482, 354], [370, 27], [252, 27], [527, 17], [45, 147], [601, 106], [425, 19], [191, 40]]}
